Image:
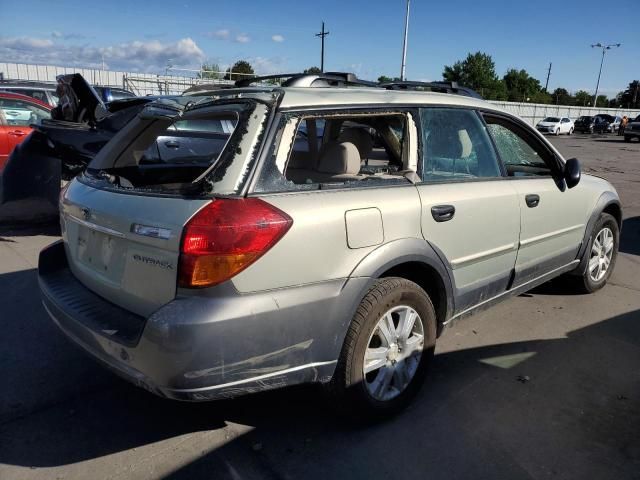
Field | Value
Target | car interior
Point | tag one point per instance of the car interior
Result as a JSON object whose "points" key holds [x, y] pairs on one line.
{"points": [[338, 149]]}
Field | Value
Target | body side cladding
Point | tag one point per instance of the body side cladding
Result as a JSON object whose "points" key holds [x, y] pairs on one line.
{"points": [[610, 202], [406, 251]]}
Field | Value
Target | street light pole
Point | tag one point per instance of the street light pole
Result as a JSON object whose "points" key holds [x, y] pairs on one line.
{"points": [[404, 44], [604, 50]]}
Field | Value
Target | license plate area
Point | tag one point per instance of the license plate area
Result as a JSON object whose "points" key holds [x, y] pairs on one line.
{"points": [[100, 252]]}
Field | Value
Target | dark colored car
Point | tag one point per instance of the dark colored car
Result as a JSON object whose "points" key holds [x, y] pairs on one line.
{"points": [[584, 124], [605, 123], [60, 148], [17, 114], [632, 130], [109, 94]]}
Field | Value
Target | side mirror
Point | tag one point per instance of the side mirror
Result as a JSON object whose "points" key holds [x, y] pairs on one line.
{"points": [[572, 172]]}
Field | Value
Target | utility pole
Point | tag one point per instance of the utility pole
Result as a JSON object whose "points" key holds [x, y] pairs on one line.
{"points": [[322, 34], [604, 50], [404, 44], [546, 85]]}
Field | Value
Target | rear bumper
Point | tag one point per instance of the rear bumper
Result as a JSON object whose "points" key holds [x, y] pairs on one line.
{"points": [[217, 344]]}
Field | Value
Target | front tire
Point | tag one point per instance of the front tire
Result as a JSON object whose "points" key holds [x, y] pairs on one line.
{"points": [[600, 256], [571, 131], [558, 132], [627, 138], [387, 350]]}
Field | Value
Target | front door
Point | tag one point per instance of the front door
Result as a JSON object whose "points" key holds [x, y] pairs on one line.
{"points": [[553, 218], [470, 212]]}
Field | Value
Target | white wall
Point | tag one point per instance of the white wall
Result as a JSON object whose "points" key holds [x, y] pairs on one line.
{"points": [[151, 84]]}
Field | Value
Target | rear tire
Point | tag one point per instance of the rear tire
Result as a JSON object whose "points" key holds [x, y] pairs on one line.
{"points": [[571, 131], [599, 258], [628, 138], [387, 351]]}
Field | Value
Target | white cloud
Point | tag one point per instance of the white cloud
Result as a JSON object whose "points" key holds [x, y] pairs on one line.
{"points": [[25, 43], [243, 38], [144, 56], [277, 38], [56, 34], [267, 65], [222, 34]]}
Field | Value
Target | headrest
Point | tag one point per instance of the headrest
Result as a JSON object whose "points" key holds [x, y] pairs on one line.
{"points": [[340, 158], [360, 138], [442, 143]]}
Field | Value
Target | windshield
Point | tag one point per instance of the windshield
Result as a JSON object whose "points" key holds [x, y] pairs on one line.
{"points": [[551, 119], [584, 119]]}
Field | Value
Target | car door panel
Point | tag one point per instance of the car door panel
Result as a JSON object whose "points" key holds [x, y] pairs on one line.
{"points": [[480, 241], [4, 145], [552, 231]]}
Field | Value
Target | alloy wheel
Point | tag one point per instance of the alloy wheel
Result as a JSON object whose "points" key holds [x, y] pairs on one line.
{"points": [[601, 254], [393, 353]]}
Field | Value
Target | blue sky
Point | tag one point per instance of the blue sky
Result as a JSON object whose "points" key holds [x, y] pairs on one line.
{"points": [[365, 36]]}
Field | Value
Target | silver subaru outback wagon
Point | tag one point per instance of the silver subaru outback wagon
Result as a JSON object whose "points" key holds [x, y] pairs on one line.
{"points": [[254, 238]]}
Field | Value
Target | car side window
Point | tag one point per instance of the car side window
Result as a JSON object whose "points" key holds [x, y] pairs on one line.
{"points": [[318, 150], [21, 113], [455, 145], [520, 153]]}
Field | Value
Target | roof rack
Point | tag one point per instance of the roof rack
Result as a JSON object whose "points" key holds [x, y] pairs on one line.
{"points": [[439, 87], [328, 79]]}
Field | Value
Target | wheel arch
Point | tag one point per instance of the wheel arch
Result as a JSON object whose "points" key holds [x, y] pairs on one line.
{"points": [[415, 260], [607, 203]]}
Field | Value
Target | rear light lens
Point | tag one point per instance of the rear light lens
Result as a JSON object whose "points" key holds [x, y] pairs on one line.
{"points": [[225, 237]]}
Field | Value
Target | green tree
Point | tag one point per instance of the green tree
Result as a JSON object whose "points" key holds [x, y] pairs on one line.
{"points": [[520, 85], [602, 101], [210, 70], [384, 79], [630, 98], [477, 71], [241, 69], [312, 70], [582, 98], [561, 96]]}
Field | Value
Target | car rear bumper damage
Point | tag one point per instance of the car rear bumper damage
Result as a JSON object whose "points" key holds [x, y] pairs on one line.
{"points": [[207, 347]]}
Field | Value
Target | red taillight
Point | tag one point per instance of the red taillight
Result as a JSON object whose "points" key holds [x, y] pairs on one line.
{"points": [[225, 237]]}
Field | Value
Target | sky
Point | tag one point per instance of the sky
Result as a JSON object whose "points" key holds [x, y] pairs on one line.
{"points": [[365, 36]]}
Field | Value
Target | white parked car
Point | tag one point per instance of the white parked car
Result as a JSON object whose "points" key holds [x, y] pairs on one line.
{"points": [[556, 125]]}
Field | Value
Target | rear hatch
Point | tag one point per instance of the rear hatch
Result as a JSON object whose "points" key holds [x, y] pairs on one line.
{"points": [[122, 219]]}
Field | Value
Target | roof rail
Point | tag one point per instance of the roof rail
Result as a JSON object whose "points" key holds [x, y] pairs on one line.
{"points": [[329, 79], [42, 83], [439, 87]]}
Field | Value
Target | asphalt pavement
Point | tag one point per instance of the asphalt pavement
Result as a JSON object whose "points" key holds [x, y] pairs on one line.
{"points": [[545, 385]]}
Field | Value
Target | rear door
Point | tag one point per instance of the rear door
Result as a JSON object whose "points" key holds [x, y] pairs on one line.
{"points": [[4, 144], [470, 211], [553, 218]]}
